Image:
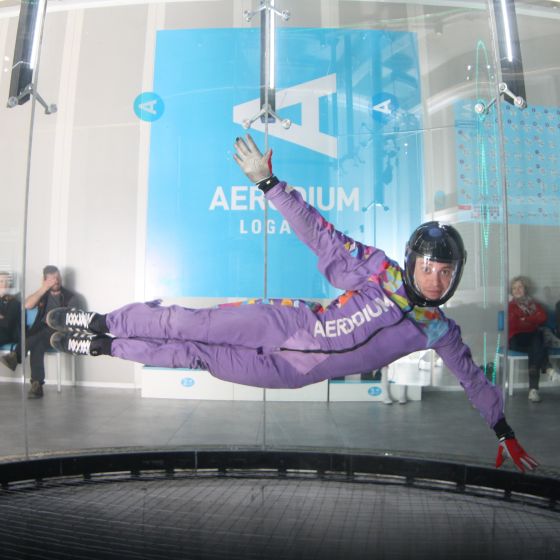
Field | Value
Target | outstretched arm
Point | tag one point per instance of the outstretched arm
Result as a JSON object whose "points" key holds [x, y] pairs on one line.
{"points": [[486, 397], [345, 263]]}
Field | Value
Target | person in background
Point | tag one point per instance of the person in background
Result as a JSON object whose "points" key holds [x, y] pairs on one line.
{"points": [[526, 316], [399, 391], [50, 295], [10, 318]]}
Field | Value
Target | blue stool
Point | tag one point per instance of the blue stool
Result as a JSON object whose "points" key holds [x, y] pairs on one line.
{"points": [[514, 357]]}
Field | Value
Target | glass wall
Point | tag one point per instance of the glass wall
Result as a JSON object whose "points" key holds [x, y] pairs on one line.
{"points": [[15, 146], [531, 141], [135, 196]]}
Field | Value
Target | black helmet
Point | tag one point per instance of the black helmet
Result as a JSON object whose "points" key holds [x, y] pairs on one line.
{"points": [[434, 242]]}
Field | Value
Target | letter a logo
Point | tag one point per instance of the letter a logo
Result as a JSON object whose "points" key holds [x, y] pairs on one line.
{"points": [[148, 107], [306, 134], [383, 107]]}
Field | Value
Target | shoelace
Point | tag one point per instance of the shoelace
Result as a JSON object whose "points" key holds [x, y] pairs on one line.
{"points": [[79, 319], [79, 345]]}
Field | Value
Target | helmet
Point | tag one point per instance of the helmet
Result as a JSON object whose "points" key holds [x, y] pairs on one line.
{"points": [[434, 242]]}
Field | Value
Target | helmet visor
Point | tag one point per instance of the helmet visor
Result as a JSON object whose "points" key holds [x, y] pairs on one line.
{"points": [[432, 279]]}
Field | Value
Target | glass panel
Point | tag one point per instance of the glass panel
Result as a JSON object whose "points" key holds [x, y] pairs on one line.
{"points": [[14, 149], [135, 196], [531, 140], [411, 148]]}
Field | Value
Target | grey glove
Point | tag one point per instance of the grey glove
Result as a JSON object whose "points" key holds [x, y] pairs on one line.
{"points": [[255, 165]]}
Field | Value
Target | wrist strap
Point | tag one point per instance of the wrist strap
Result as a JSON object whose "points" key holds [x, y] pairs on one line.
{"points": [[266, 184], [503, 430]]}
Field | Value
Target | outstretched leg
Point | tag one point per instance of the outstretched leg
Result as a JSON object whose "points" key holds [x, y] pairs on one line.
{"points": [[246, 366], [238, 365], [251, 326]]}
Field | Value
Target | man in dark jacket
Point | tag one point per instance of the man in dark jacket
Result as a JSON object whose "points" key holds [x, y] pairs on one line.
{"points": [[10, 311], [51, 294]]}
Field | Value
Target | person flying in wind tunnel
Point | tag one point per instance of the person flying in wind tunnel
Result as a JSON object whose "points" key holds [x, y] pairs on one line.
{"points": [[384, 314]]}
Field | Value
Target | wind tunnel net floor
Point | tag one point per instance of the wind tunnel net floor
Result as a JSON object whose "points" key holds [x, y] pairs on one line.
{"points": [[119, 516]]}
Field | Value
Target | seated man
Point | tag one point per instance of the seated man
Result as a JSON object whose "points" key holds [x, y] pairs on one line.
{"points": [[50, 295]]}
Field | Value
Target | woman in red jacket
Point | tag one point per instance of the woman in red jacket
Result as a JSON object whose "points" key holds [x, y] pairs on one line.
{"points": [[526, 315]]}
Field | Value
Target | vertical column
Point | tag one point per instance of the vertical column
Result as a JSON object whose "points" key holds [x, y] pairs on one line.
{"points": [[63, 138]]}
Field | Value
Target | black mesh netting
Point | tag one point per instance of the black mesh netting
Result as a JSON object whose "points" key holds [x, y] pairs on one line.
{"points": [[198, 517]]}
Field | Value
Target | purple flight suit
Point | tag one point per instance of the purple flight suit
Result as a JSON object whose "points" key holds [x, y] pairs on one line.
{"points": [[291, 343]]}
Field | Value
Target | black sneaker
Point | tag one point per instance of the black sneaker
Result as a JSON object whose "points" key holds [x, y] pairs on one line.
{"points": [[9, 360], [82, 344], [36, 391], [77, 344], [70, 319]]}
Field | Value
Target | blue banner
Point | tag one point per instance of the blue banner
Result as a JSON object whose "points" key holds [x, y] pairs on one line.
{"points": [[353, 149]]}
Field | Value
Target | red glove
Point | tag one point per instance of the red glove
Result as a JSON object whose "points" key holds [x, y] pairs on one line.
{"points": [[511, 448]]}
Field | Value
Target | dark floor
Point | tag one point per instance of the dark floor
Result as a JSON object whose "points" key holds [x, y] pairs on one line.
{"points": [[442, 425], [240, 519], [185, 518]]}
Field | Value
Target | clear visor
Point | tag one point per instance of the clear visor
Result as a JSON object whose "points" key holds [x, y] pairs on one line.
{"points": [[433, 279]]}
